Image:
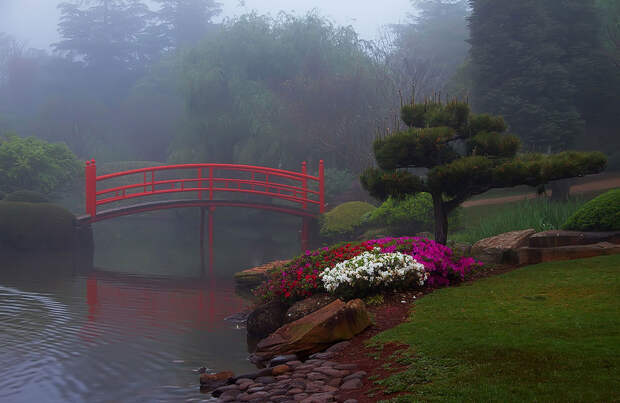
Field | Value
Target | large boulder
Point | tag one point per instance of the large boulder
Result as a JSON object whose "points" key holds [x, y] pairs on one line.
{"points": [[501, 248], [529, 255], [317, 331], [555, 238], [266, 318], [253, 277], [307, 306]]}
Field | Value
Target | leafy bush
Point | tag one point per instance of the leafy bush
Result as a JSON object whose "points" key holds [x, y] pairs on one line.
{"points": [[344, 220], [599, 214], [33, 164], [337, 181], [371, 271], [32, 226], [26, 196], [412, 214], [301, 277]]}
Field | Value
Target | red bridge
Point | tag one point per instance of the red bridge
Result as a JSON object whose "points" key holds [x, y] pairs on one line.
{"points": [[297, 193]]}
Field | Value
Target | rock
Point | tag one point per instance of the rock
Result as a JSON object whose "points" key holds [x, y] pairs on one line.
{"points": [[213, 381], [501, 248], [345, 366], [253, 277], [266, 318], [334, 322], [552, 239], [282, 359], [528, 255], [253, 375], [229, 395], [307, 306], [338, 347], [322, 356], [357, 375], [355, 383], [217, 392], [265, 380], [280, 369], [319, 398], [350, 401]]}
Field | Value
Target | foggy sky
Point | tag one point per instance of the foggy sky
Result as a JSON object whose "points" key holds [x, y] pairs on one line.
{"points": [[35, 21]]}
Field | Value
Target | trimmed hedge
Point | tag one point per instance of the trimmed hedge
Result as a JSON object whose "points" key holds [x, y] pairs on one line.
{"points": [[345, 219], [599, 214], [30, 226]]}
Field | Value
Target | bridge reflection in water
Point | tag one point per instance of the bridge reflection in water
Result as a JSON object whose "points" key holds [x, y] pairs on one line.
{"points": [[160, 302]]}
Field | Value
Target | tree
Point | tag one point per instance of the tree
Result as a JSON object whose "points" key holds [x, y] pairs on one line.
{"points": [[185, 22], [428, 50], [540, 65], [107, 34], [33, 164], [463, 155]]}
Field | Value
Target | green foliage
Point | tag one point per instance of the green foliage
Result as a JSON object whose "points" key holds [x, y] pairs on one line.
{"points": [[412, 214], [26, 196], [31, 226], [33, 164], [415, 147], [490, 159], [344, 220], [547, 332], [493, 144], [542, 214], [255, 91], [544, 70], [337, 181], [599, 214]]}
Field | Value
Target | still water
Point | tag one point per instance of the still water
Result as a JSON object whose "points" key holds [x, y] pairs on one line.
{"points": [[118, 331]]}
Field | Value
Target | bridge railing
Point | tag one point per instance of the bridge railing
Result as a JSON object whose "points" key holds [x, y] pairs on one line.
{"points": [[296, 187]]}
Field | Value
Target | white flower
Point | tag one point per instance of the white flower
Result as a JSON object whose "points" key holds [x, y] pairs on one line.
{"points": [[374, 268]]}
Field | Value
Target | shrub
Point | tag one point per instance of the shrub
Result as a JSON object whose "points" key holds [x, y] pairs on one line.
{"points": [[599, 214], [26, 196], [32, 226], [301, 277], [33, 164], [344, 220], [371, 271]]}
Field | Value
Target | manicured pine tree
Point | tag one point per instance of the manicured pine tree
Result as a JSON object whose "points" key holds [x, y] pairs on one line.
{"points": [[464, 155]]}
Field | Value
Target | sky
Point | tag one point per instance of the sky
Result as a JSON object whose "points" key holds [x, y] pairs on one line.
{"points": [[34, 21]]}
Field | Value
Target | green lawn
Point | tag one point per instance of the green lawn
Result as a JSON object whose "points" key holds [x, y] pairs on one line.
{"points": [[548, 332]]}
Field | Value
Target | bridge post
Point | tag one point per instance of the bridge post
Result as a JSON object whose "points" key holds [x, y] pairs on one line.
{"points": [[304, 183], [321, 187], [90, 174]]}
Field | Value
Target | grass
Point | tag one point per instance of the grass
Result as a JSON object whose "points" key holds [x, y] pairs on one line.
{"points": [[541, 214], [548, 332]]}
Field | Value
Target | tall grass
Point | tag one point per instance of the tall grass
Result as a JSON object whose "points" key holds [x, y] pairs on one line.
{"points": [[541, 214]]}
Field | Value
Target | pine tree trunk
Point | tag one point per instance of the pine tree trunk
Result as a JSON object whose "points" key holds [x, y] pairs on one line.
{"points": [[441, 219]]}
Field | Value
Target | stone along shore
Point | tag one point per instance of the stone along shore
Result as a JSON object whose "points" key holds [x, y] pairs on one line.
{"points": [[287, 379]]}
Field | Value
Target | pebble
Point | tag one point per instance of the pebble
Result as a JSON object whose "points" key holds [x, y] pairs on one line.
{"points": [[316, 380]]}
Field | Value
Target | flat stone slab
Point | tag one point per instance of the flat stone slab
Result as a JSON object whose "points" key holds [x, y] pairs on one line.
{"points": [[255, 276], [556, 238], [501, 248], [529, 255]]}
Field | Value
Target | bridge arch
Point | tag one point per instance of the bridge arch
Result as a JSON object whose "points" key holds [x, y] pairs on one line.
{"points": [[202, 185]]}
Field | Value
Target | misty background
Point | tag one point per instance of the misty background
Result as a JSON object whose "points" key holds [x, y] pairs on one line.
{"points": [[274, 83]]}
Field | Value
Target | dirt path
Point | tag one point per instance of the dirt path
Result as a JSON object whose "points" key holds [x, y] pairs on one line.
{"points": [[603, 184]]}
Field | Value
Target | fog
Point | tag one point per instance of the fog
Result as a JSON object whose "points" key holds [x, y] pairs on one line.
{"points": [[34, 21]]}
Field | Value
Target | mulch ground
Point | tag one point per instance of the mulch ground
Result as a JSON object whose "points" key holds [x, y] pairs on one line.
{"points": [[394, 311]]}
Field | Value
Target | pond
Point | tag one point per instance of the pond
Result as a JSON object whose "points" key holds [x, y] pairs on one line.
{"points": [[131, 327]]}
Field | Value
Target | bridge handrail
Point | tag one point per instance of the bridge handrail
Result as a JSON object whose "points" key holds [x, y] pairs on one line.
{"points": [[120, 191]]}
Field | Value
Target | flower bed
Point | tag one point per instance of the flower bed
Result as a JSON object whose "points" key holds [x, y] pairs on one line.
{"points": [[301, 277]]}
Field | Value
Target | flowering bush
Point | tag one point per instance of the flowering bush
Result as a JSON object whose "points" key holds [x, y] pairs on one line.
{"points": [[301, 277], [373, 269]]}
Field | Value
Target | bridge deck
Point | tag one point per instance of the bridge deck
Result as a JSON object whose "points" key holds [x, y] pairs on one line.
{"points": [[168, 204]]}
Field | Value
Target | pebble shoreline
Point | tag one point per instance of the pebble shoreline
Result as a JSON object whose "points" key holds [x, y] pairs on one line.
{"points": [[287, 379]]}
